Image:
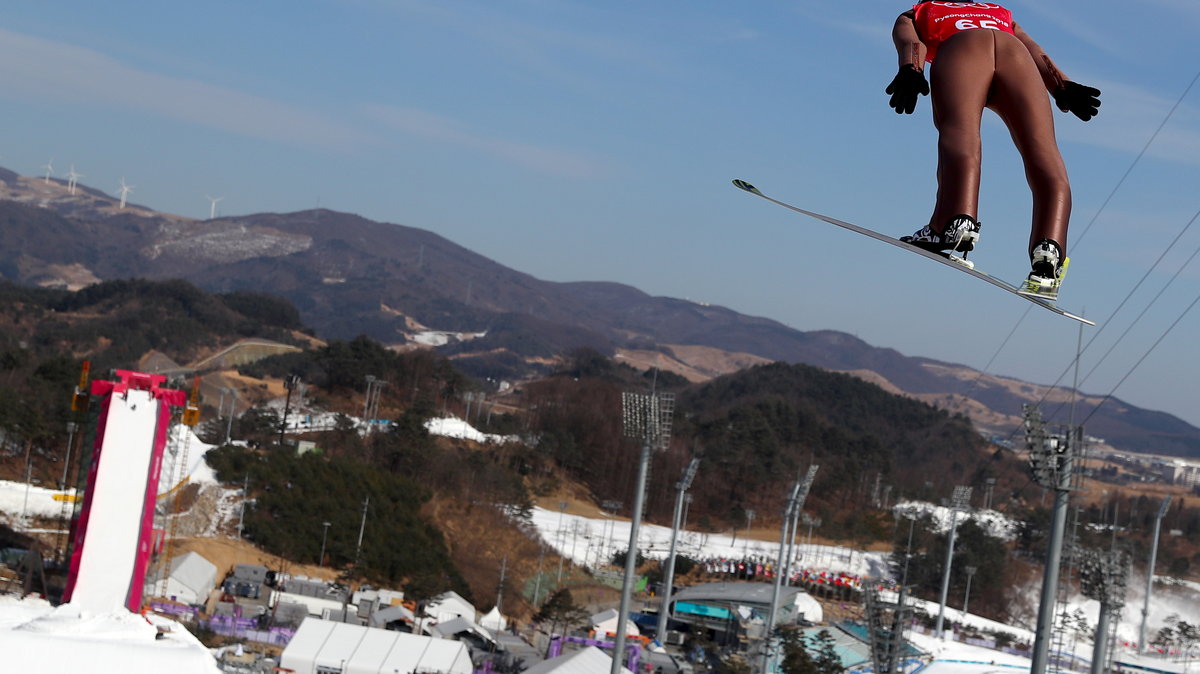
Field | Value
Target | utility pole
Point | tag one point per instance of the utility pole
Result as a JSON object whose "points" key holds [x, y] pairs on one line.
{"points": [[500, 589], [681, 488], [361, 529]]}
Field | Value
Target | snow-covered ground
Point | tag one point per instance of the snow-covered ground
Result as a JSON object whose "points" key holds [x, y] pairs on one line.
{"points": [[993, 522], [37, 637], [592, 542], [453, 427]]}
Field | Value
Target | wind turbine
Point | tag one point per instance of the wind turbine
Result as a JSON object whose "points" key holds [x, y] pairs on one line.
{"points": [[125, 190], [72, 179], [212, 210], [49, 170]]}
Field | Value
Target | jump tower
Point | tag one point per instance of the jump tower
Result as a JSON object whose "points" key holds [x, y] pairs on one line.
{"points": [[113, 536]]}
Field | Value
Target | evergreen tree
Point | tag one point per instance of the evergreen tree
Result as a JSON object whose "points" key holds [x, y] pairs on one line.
{"points": [[827, 660], [796, 658]]}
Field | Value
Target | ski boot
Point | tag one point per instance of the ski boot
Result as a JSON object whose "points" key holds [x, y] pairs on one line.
{"points": [[960, 236], [1049, 268]]}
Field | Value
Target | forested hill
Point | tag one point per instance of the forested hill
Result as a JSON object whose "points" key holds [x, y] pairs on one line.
{"points": [[757, 431]]}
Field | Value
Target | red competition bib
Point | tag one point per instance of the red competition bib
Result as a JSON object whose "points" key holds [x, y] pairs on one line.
{"points": [[936, 21]]}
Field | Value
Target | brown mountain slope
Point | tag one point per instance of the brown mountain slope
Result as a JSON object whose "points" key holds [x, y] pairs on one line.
{"points": [[348, 276]]}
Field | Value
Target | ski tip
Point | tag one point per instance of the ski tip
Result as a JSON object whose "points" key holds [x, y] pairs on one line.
{"points": [[743, 185]]}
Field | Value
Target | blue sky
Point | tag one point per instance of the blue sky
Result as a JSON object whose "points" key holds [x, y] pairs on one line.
{"points": [[596, 141]]}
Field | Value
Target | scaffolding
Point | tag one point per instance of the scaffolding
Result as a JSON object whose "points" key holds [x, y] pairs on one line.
{"points": [[178, 477], [886, 622]]}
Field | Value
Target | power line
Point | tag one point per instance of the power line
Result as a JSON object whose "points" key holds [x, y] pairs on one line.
{"points": [[1088, 228], [1144, 356]]}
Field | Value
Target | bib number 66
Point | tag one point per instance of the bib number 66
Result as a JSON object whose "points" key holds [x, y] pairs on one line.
{"points": [[971, 24]]}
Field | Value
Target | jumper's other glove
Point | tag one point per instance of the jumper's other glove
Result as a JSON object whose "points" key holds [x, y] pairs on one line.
{"points": [[1083, 101], [904, 89]]}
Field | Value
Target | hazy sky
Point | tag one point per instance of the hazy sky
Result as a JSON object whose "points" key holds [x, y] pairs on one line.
{"points": [[596, 141]]}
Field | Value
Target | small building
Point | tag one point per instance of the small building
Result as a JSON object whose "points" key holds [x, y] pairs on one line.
{"points": [[320, 646], [247, 580], [729, 611], [190, 579], [449, 605], [464, 630]]}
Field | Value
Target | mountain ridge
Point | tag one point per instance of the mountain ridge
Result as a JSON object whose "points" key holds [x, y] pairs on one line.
{"points": [[348, 275]]}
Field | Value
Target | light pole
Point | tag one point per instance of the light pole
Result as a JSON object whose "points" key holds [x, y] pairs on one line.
{"points": [[967, 597], [324, 535], [959, 501], [1051, 458], [562, 508], [646, 417], [681, 488], [746, 539], [1162, 510], [232, 393], [791, 512]]}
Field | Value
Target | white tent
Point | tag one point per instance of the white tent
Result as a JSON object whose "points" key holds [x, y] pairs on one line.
{"points": [[494, 621], [588, 660], [808, 608], [190, 580], [605, 622], [322, 645]]}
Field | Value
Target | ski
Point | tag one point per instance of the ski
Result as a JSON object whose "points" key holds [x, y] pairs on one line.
{"points": [[947, 259]]}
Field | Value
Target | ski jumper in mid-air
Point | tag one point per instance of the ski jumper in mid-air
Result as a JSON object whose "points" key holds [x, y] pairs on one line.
{"points": [[980, 58]]}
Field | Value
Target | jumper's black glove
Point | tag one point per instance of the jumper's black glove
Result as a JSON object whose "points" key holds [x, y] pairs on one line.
{"points": [[1083, 101], [904, 89]]}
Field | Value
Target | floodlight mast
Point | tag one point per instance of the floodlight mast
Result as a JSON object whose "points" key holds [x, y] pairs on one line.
{"points": [[791, 513], [1103, 576], [1051, 459], [681, 488], [646, 417], [960, 501], [1162, 511]]}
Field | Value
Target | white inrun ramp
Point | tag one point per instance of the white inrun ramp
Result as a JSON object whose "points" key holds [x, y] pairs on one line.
{"points": [[114, 535]]}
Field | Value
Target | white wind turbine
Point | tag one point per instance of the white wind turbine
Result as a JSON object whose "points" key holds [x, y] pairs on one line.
{"points": [[212, 210], [125, 190], [49, 170], [73, 179]]}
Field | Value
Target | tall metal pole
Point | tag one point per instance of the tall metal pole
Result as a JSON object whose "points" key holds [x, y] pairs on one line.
{"points": [[967, 597], [795, 502], [229, 422], [361, 529], [630, 562], [1162, 510], [324, 535], [788, 512], [1100, 646], [681, 488], [646, 417], [959, 501], [1051, 458]]}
